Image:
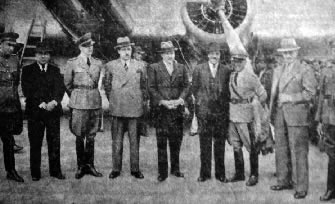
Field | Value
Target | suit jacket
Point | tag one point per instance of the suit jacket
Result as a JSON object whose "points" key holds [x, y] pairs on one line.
{"points": [[78, 75], [301, 85], [39, 87], [163, 86], [211, 94], [246, 87], [123, 88], [326, 104]]}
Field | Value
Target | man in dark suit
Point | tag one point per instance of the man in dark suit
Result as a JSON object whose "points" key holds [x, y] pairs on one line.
{"points": [[43, 87], [168, 88], [10, 107], [211, 92]]}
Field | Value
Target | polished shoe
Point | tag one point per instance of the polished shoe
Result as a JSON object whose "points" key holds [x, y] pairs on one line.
{"points": [[222, 179], [80, 173], [203, 178], [161, 178], [12, 175], [17, 148], [178, 174], [91, 170], [281, 187], [59, 176], [253, 180], [236, 178], [300, 195], [330, 194], [35, 178], [137, 174], [114, 174]]}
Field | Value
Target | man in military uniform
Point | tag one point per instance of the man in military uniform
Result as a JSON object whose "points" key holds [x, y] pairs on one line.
{"points": [[211, 92], [10, 107], [293, 88], [43, 87], [123, 89], [81, 80], [244, 87], [168, 88], [325, 115]]}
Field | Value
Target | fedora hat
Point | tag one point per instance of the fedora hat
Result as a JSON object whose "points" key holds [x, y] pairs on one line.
{"points": [[42, 47], [138, 49], [166, 47], [213, 47], [123, 42], [288, 44], [9, 36], [85, 40]]}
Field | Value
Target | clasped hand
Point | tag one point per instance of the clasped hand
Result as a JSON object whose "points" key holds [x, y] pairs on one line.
{"points": [[172, 104], [48, 106]]}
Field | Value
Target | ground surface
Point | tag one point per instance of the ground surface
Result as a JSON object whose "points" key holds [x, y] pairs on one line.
{"points": [[127, 189]]}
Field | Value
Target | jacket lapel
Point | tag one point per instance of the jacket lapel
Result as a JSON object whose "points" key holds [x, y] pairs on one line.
{"points": [[164, 71], [294, 71], [277, 72]]}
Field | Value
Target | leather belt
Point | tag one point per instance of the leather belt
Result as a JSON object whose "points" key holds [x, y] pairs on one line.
{"points": [[239, 101], [85, 87]]}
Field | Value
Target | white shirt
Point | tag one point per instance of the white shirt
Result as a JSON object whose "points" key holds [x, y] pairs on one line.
{"points": [[45, 67], [213, 68], [169, 67]]}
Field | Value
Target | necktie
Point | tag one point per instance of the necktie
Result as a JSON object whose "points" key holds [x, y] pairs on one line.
{"points": [[43, 67], [125, 66], [88, 62]]}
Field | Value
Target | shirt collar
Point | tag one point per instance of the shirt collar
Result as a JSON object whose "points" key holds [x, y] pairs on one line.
{"points": [[45, 68], [125, 62]]}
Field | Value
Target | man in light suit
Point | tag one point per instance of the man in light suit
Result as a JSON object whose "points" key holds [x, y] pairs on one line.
{"points": [[81, 80], [43, 87], [124, 92], [211, 92], [168, 89], [293, 87]]}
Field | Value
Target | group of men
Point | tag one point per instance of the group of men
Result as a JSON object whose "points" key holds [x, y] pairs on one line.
{"points": [[224, 105]]}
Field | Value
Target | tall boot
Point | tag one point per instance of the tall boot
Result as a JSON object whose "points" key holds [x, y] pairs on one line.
{"points": [[253, 179], [239, 167], [90, 158], [80, 157]]}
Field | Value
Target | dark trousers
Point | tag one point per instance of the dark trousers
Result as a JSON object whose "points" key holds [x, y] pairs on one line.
{"points": [[291, 153], [330, 149], [118, 130], [36, 128], [169, 128], [211, 130], [8, 152]]}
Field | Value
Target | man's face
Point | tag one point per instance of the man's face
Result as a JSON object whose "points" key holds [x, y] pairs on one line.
{"points": [[214, 57], [289, 56], [7, 48], [138, 56], [87, 51], [168, 56], [238, 64], [42, 57], [125, 53]]}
